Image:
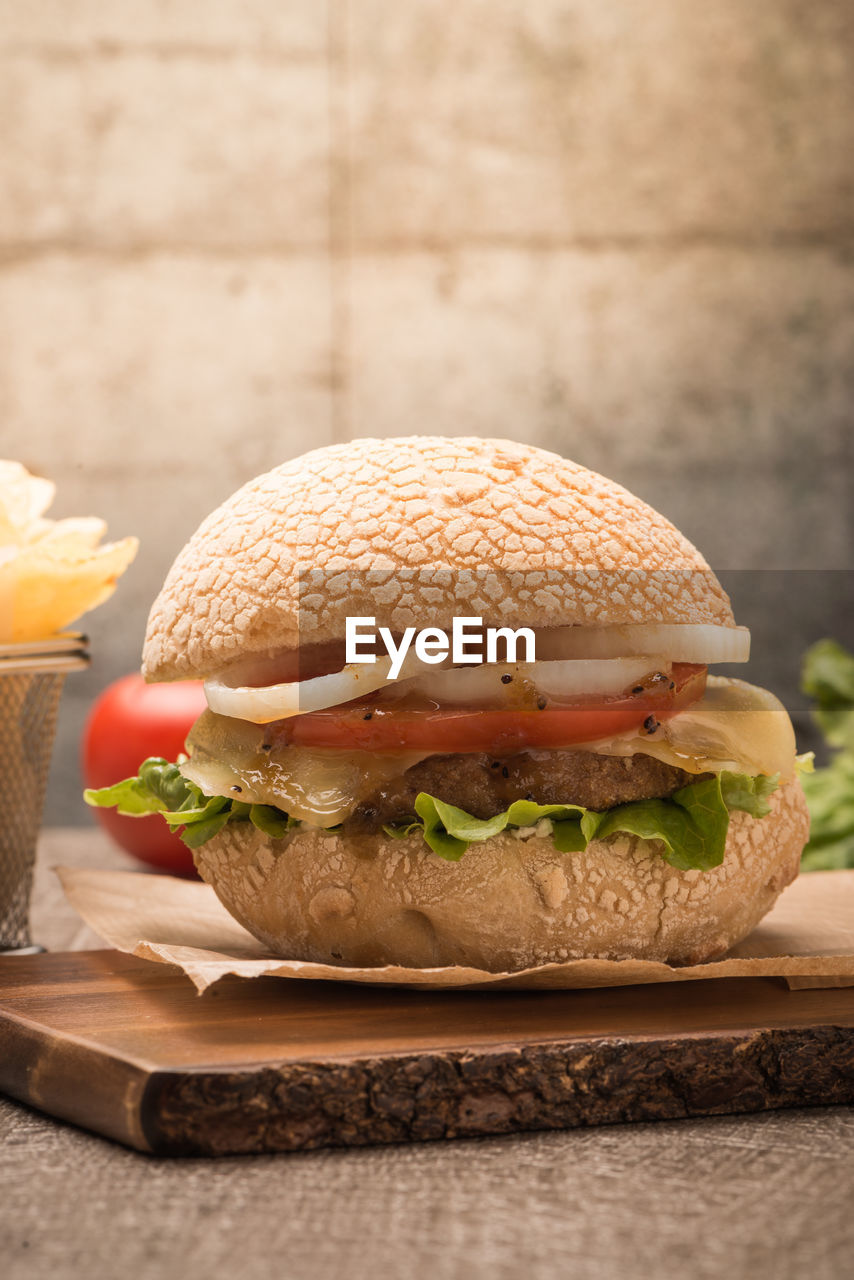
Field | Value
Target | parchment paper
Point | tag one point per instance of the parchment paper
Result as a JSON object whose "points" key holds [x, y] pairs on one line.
{"points": [[808, 939]]}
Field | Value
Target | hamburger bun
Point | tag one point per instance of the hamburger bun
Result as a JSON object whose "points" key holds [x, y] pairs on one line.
{"points": [[400, 530], [509, 904]]}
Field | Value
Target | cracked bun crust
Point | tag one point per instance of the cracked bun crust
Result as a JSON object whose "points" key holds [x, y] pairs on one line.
{"points": [[509, 904], [403, 509]]}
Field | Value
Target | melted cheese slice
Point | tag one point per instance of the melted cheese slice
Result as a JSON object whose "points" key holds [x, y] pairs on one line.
{"points": [[317, 786], [733, 726]]}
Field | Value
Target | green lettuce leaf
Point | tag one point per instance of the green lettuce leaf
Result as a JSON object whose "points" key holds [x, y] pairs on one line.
{"points": [[160, 787], [830, 799], [449, 830], [750, 794], [691, 825], [828, 676], [272, 821]]}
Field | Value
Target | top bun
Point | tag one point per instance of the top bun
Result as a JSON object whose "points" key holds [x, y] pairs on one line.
{"points": [[284, 561]]}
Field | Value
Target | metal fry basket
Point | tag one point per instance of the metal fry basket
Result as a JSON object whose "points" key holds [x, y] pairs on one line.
{"points": [[31, 679]]}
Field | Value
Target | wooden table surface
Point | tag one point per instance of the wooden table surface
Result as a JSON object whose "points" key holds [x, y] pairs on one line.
{"points": [[760, 1196]]}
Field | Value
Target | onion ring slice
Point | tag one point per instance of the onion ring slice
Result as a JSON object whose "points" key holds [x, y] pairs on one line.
{"points": [[682, 642]]}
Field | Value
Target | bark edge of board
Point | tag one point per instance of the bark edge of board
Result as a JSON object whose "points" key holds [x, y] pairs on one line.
{"points": [[457, 1094]]}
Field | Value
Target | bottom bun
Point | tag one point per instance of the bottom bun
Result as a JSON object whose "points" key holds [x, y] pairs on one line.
{"points": [[509, 903]]}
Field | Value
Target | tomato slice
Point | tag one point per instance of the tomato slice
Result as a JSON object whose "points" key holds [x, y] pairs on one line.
{"points": [[366, 725]]}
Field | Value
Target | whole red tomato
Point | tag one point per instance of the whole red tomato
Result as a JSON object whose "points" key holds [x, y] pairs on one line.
{"points": [[130, 721]]}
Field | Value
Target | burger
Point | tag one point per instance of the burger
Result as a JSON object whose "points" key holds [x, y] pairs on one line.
{"points": [[460, 713]]}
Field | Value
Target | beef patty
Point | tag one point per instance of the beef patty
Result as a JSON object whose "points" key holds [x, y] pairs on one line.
{"points": [[484, 785]]}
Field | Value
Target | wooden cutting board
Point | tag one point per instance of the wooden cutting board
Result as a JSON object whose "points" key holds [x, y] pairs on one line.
{"points": [[125, 1047]]}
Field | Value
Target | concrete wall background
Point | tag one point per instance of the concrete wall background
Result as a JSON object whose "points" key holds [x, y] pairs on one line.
{"points": [[233, 231]]}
